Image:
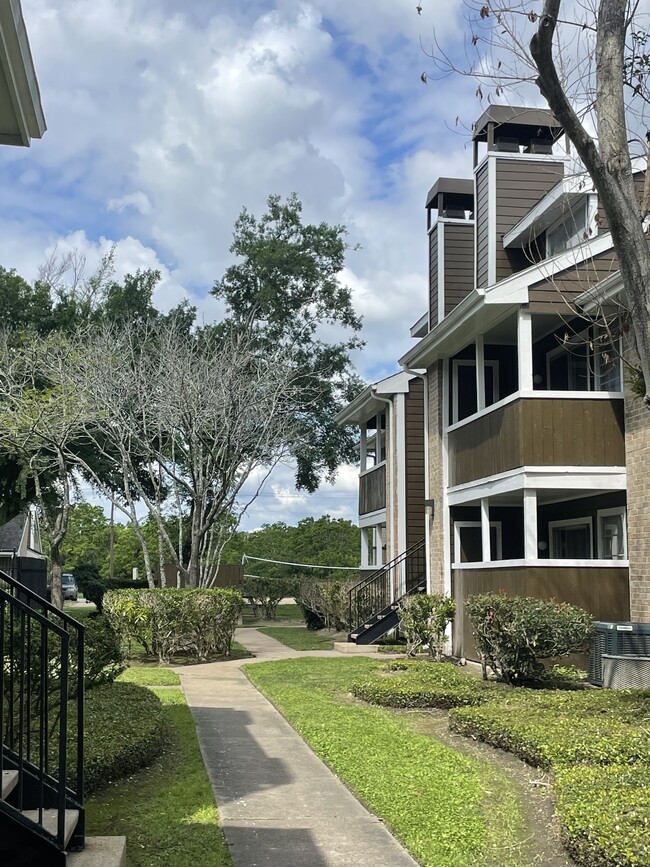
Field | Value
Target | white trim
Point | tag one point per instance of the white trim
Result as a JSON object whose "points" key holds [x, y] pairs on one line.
{"points": [[525, 350], [372, 518], [446, 517], [604, 513], [492, 221], [461, 525], [480, 373], [530, 525], [472, 362], [540, 478], [570, 522], [441, 271], [485, 530], [372, 468], [557, 564], [535, 221]]}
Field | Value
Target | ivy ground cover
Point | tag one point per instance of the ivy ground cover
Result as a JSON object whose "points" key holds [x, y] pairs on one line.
{"points": [[448, 809]]}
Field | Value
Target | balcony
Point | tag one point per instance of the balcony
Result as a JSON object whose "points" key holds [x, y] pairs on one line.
{"points": [[372, 490], [575, 430]]}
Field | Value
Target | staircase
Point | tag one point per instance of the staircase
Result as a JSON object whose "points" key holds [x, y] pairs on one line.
{"points": [[41, 734], [371, 602]]}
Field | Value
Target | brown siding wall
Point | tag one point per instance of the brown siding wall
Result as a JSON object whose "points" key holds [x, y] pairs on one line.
{"points": [[459, 263], [538, 432], [372, 490], [482, 228], [415, 462], [637, 446], [433, 276], [554, 293], [520, 185], [602, 591]]}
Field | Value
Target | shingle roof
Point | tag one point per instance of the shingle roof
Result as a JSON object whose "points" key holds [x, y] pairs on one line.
{"points": [[12, 532]]}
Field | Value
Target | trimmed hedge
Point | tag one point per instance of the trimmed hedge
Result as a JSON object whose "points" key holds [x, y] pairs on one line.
{"points": [[605, 814], [124, 731], [559, 729], [199, 622], [406, 683]]}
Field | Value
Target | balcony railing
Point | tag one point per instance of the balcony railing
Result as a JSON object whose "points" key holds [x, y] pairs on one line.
{"points": [[372, 490]]}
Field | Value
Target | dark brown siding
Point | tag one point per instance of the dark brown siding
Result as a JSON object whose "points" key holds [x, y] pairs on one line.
{"points": [[554, 293], [415, 462], [520, 185], [538, 432], [604, 592], [433, 276], [372, 490], [482, 228], [458, 262]]}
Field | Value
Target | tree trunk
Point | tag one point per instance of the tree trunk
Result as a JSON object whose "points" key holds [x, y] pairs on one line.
{"points": [[57, 572]]}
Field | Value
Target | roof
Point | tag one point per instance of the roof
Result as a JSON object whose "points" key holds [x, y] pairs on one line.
{"points": [[21, 113], [369, 402], [510, 119], [11, 533], [457, 192]]}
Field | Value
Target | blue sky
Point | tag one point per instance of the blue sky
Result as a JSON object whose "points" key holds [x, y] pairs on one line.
{"points": [[165, 118]]}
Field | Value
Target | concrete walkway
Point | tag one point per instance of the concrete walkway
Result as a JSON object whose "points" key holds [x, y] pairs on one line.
{"points": [[279, 805]]}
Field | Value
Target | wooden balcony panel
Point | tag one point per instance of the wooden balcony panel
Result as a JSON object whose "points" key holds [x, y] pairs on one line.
{"points": [[372, 490], [603, 591], [538, 432]]}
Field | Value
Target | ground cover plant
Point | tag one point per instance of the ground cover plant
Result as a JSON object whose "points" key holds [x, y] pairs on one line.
{"points": [[434, 799], [415, 683], [300, 639], [166, 811]]}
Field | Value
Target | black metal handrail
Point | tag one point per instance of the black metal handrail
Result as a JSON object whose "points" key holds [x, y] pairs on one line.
{"points": [[41, 682], [373, 593]]}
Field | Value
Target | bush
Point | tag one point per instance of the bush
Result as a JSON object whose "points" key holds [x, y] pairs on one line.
{"points": [[267, 592], [603, 813], [424, 618], [560, 729], [328, 599], [406, 683], [103, 657], [513, 633], [90, 584], [168, 621], [124, 731]]}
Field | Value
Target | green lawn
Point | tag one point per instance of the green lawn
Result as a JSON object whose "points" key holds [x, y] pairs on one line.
{"points": [[283, 613], [166, 811], [448, 809], [299, 639], [149, 676]]}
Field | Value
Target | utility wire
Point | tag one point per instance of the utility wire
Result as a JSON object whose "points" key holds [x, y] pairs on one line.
{"points": [[246, 557]]}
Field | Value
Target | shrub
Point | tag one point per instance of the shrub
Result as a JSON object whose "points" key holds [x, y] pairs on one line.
{"points": [[267, 592], [514, 633], [424, 618], [103, 657], [560, 729], [603, 813], [328, 599], [90, 583], [406, 683], [124, 731], [168, 621]]}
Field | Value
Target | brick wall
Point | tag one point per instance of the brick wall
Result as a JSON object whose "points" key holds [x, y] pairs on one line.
{"points": [[436, 548], [637, 456]]}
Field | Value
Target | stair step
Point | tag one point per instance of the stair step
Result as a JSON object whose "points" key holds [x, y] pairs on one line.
{"points": [[100, 852], [9, 782], [49, 823]]}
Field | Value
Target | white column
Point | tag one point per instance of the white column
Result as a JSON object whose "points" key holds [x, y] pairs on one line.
{"points": [[363, 448], [364, 547], [485, 529], [525, 350], [530, 525], [480, 373]]}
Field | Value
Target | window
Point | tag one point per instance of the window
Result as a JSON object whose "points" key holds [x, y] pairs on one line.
{"points": [[612, 541], [464, 399], [571, 539], [568, 233], [607, 364], [567, 368]]}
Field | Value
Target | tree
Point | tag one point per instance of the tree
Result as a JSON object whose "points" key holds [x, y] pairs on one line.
{"points": [[87, 539], [286, 293], [585, 60], [187, 419]]}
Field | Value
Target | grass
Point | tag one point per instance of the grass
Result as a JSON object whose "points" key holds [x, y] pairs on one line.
{"points": [[167, 811], [149, 676], [448, 809], [299, 639], [287, 612]]}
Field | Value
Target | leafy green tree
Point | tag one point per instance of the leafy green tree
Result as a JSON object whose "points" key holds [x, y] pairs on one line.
{"points": [[286, 292], [87, 539]]}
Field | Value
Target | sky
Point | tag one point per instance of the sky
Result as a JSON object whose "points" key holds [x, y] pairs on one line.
{"points": [[165, 118]]}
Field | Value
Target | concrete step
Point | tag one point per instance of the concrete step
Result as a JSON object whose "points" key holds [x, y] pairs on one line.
{"points": [[351, 647], [100, 852], [9, 782], [49, 822]]}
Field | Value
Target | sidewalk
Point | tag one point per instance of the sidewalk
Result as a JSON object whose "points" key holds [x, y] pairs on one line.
{"points": [[279, 805]]}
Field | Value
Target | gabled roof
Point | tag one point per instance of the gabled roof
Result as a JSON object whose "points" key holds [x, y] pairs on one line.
{"points": [[368, 403], [11, 533]]}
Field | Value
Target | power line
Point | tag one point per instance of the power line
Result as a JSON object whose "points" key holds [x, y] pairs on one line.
{"points": [[246, 557]]}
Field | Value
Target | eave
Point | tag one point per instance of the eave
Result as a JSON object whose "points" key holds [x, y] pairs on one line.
{"points": [[21, 112]]}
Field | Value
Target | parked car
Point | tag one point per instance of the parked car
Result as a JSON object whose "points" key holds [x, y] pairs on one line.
{"points": [[69, 587]]}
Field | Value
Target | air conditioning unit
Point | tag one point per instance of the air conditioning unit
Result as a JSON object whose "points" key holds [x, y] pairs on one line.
{"points": [[626, 672], [616, 639]]}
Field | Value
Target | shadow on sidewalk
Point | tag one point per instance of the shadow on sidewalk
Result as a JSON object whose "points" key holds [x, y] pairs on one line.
{"points": [[274, 847]]}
